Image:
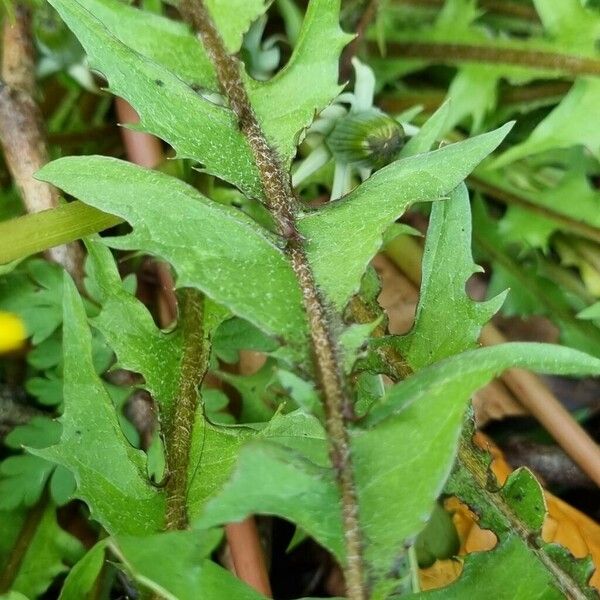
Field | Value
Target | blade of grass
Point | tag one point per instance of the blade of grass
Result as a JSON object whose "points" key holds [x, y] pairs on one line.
{"points": [[37, 232]]}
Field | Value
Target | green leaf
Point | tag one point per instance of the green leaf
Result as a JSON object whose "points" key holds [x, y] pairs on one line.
{"points": [[236, 334], [129, 330], [458, 37], [473, 94], [213, 248], [46, 390], [591, 312], [22, 480], [213, 456], [569, 21], [505, 573], [270, 479], [34, 292], [160, 98], [531, 292], [39, 432], [567, 125], [473, 367], [515, 512], [445, 312], [354, 225], [215, 451], [258, 401], [24, 476], [402, 460], [233, 18], [282, 112], [83, 575], [439, 539], [49, 553], [539, 211], [405, 457], [176, 565], [179, 50], [110, 473]]}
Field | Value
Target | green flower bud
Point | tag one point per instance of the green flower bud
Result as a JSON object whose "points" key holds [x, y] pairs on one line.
{"points": [[369, 138]]}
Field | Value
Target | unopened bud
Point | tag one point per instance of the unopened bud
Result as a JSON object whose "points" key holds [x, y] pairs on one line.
{"points": [[368, 138]]}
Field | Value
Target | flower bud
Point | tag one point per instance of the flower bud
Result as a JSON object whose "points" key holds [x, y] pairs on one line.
{"points": [[369, 138]]}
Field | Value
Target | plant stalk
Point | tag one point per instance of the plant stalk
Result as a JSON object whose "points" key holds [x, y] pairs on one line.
{"points": [[194, 365], [243, 538], [22, 131], [453, 53], [507, 197], [281, 201]]}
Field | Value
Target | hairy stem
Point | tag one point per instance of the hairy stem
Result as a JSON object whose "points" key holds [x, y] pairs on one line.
{"points": [[281, 201], [243, 538], [22, 130], [179, 431], [458, 53]]}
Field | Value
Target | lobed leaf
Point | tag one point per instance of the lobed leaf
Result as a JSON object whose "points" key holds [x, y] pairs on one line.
{"points": [[515, 512], [281, 112], [110, 473], [312, 68], [129, 330], [567, 125], [447, 320], [269, 479], [209, 133], [405, 456], [343, 236], [212, 247], [507, 572]]}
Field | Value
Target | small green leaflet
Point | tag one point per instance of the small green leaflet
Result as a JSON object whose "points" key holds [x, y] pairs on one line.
{"points": [[49, 553], [176, 565]]}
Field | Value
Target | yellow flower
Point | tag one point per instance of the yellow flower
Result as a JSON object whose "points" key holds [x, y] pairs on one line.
{"points": [[12, 332]]}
